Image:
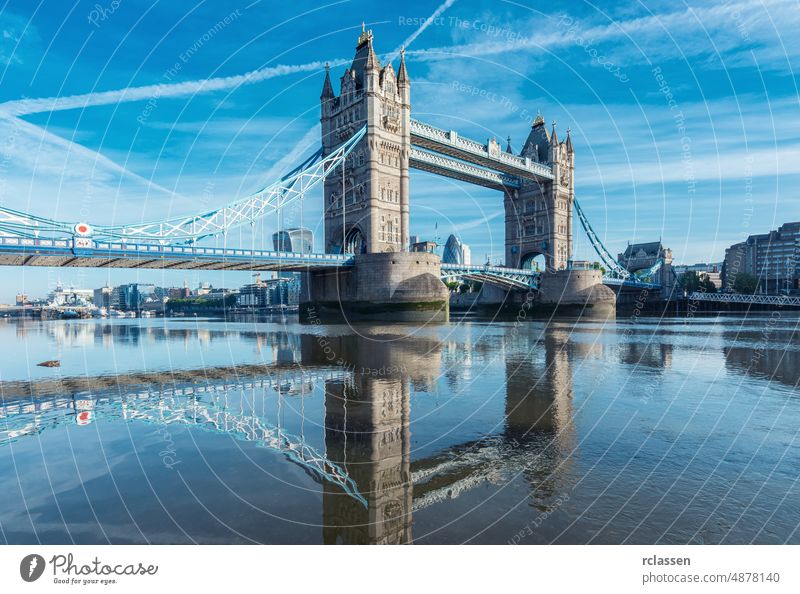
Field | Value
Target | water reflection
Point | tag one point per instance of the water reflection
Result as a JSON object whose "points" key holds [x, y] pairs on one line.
{"points": [[654, 353], [369, 484], [781, 365], [390, 429]]}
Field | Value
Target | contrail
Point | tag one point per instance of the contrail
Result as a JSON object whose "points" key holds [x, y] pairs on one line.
{"points": [[444, 6], [143, 93], [22, 107], [538, 42], [38, 135]]}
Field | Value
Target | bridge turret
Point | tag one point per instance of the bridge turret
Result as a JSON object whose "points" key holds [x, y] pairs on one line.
{"points": [[326, 101], [403, 82], [539, 215], [368, 210], [327, 87], [537, 145]]}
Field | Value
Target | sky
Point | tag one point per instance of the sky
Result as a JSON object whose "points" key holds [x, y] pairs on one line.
{"points": [[684, 116]]}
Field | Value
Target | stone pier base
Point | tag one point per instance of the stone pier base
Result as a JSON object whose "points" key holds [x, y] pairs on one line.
{"points": [[397, 287], [575, 291]]}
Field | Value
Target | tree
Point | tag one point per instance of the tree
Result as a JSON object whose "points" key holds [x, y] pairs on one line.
{"points": [[707, 285], [745, 283], [690, 281]]}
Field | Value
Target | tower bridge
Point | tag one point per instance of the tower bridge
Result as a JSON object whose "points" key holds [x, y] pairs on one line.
{"points": [[369, 142]]}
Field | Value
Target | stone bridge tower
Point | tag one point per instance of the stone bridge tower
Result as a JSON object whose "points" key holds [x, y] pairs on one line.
{"points": [[367, 212], [539, 214]]}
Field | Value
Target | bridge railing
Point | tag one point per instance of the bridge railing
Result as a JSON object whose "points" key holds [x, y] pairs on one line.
{"points": [[487, 268], [780, 300], [167, 249], [441, 161]]}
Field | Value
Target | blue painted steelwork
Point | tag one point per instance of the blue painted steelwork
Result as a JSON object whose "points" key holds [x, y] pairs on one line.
{"points": [[616, 274], [451, 143], [513, 278], [190, 229], [24, 251], [777, 300]]}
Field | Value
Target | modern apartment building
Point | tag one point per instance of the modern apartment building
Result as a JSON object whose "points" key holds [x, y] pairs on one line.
{"points": [[774, 258]]}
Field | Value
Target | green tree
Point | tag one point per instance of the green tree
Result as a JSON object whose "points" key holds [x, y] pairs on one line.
{"points": [[706, 285], [690, 281], [745, 283]]}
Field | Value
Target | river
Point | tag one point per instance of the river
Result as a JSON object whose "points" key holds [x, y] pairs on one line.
{"points": [[188, 430]]}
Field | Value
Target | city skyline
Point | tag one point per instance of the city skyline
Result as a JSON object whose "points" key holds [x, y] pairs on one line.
{"points": [[115, 148]]}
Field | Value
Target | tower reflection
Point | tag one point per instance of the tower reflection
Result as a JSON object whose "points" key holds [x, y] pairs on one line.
{"points": [[367, 418], [367, 432]]}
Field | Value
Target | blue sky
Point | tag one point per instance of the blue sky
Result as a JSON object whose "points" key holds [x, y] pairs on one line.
{"points": [[119, 111]]}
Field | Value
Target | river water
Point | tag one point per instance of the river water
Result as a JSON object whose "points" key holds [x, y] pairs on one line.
{"points": [[186, 430]]}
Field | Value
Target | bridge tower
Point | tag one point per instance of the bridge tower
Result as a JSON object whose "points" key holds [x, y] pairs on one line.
{"points": [[367, 211], [539, 214]]}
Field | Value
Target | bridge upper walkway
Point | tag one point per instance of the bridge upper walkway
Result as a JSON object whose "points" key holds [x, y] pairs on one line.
{"points": [[489, 155]]}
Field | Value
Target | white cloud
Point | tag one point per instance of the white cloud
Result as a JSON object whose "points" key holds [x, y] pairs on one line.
{"points": [[18, 39], [36, 151], [736, 31], [43, 171]]}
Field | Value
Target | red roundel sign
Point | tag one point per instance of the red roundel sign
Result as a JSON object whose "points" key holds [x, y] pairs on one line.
{"points": [[83, 229]]}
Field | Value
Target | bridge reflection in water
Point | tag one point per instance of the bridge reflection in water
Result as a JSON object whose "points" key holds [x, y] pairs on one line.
{"points": [[372, 481]]}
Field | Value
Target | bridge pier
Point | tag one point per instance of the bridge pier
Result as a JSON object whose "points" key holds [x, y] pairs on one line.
{"points": [[575, 291], [396, 287]]}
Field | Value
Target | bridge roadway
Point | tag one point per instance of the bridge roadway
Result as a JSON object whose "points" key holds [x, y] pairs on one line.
{"points": [[23, 251]]}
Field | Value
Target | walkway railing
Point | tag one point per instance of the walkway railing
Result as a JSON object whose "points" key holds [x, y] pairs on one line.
{"points": [[780, 300]]}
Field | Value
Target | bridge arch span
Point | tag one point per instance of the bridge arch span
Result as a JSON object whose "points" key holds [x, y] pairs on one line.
{"points": [[533, 260], [355, 241]]}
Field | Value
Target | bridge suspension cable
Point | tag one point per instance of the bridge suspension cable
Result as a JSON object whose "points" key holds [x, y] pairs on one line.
{"points": [[190, 229], [616, 273], [613, 267]]}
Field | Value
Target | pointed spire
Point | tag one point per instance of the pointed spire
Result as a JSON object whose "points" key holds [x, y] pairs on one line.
{"points": [[553, 136], [327, 87], [365, 35], [569, 141], [508, 146], [365, 58], [402, 75], [539, 119]]}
